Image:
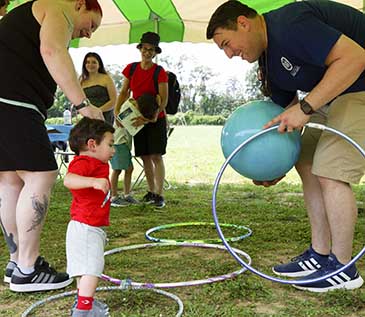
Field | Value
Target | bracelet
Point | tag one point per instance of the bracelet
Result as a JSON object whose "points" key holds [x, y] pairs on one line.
{"points": [[83, 104]]}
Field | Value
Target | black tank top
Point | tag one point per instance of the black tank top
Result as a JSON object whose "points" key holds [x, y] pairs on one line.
{"points": [[23, 74], [98, 95]]}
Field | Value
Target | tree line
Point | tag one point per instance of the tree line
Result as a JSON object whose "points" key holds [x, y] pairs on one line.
{"points": [[197, 97]]}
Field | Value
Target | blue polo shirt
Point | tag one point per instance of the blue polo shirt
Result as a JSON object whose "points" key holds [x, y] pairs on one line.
{"points": [[300, 37]]}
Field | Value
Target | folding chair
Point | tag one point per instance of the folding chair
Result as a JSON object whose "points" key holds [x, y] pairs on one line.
{"points": [[58, 135]]}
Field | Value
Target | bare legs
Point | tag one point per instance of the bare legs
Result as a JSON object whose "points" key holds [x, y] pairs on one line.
{"points": [[332, 212], [154, 169], [10, 188], [342, 215], [127, 181], [114, 182], [24, 199], [87, 285]]}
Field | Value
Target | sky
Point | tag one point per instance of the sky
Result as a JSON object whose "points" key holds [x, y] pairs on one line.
{"points": [[202, 53]]}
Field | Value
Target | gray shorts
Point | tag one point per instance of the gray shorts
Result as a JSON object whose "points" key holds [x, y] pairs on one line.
{"points": [[84, 249]]}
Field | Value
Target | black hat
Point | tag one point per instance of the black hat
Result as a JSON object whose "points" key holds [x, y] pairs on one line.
{"points": [[150, 38]]}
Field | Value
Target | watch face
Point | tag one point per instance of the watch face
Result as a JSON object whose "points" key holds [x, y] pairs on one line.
{"points": [[306, 108]]}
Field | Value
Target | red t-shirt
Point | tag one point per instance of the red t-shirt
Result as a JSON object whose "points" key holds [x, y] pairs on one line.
{"points": [[86, 202], [142, 81]]}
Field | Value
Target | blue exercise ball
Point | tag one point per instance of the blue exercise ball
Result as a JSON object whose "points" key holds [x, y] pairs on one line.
{"points": [[267, 156]]}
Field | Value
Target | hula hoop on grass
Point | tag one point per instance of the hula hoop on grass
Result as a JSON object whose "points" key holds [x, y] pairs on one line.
{"points": [[225, 242], [185, 224], [173, 284], [103, 289]]}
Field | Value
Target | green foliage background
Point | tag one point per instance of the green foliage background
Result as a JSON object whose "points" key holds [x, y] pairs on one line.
{"points": [[198, 98]]}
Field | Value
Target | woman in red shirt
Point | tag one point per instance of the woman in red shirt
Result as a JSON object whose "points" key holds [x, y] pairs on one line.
{"points": [[150, 142]]}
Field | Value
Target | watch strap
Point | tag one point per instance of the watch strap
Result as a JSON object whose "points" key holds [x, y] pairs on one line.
{"points": [[83, 104], [306, 107]]}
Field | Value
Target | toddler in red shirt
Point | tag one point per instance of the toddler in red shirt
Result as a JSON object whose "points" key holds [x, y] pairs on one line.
{"points": [[88, 180]]}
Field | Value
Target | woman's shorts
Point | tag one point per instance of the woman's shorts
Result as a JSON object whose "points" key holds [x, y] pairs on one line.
{"points": [[122, 157], [24, 142], [84, 249], [152, 139], [333, 157]]}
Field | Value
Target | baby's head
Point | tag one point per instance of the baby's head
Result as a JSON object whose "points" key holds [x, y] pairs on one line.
{"points": [[85, 130], [147, 105]]}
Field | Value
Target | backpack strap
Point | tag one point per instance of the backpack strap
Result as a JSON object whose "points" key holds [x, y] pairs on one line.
{"points": [[133, 68], [155, 77]]}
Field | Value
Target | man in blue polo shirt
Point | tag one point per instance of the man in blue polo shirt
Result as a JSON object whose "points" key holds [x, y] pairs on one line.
{"points": [[315, 47]]}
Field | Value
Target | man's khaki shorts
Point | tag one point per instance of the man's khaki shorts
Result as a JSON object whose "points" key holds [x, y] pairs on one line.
{"points": [[332, 156]]}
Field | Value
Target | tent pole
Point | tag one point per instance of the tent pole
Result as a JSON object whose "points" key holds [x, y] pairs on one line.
{"points": [[156, 28]]}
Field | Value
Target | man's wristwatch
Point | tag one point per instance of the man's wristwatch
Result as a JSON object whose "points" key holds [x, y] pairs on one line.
{"points": [[306, 107], [83, 104]]}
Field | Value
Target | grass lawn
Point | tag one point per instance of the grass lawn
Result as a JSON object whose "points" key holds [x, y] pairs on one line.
{"points": [[280, 231]]}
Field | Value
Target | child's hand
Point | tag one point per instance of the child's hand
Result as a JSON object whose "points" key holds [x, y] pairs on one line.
{"points": [[118, 123], [139, 121], [268, 183], [101, 183]]}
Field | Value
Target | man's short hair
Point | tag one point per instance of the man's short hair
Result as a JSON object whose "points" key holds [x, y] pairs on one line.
{"points": [[225, 16]]}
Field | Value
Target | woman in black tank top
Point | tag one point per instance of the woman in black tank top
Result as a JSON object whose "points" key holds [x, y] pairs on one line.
{"points": [[34, 40], [98, 85]]}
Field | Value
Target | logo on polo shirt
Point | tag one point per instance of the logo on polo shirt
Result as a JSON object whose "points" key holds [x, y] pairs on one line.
{"points": [[289, 66], [286, 64]]}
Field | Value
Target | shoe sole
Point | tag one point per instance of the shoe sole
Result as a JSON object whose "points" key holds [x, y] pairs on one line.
{"points": [[116, 205], [294, 274], [357, 283], [34, 287]]}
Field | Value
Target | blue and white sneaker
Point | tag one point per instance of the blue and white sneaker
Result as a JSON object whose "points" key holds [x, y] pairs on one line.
{"points": [[302, 265], [348, 279]]}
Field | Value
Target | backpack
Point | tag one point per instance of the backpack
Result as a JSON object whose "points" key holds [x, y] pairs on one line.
{"points": [[173, 84]]}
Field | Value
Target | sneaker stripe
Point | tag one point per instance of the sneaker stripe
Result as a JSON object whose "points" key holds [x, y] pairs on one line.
{"points": [[315, 263], [309, 265], [339, 279], [47, 278], [306, 266], [345, 277], [38, 278], [52, 279], [332, 282]]}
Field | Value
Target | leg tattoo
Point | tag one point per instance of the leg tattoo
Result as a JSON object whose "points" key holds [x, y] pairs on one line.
{"points": [[9, 238], [40, 211]]}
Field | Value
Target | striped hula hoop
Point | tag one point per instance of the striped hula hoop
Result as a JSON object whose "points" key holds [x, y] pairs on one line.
{"points": [[233, 252], [31, 308], [186, 224], [173, 284]]}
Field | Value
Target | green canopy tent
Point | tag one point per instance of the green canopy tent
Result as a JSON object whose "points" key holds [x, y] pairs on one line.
{"points": [[174, 20]]}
